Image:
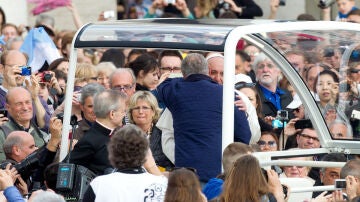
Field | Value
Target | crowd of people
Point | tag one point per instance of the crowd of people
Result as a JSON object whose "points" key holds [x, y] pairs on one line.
{"points": [[149, 122]]}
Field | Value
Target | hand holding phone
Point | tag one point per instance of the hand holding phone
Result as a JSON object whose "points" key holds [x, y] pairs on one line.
{"points": [[340, 184]]}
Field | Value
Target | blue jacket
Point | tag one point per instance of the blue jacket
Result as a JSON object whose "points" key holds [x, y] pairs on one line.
{"points": [[196, 107]]}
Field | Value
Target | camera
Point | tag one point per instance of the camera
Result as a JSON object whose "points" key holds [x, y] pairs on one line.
{"points": [[344, 87], [340, 184], [109, 14], [303, 123], [281, 117], [60, 116], [25, 70], [282, 2], [285, 188], [27, 166], [325, 3], [4, 112], [45, 77], [223, 5]]}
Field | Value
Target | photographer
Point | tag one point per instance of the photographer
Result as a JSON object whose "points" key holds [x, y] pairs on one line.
{"points": [[20, 150], [50, 89], [344, 7], [180, 5], [244, 9], [13, 77]]}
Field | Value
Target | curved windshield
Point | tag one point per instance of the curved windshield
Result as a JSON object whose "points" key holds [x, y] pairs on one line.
{"points": [[329, 64]]}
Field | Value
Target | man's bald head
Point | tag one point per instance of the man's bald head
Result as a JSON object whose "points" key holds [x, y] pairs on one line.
{"points": [[18, 145]]}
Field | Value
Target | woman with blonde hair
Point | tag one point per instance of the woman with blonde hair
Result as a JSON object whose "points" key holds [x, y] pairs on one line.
{"points": [[86, 71], [104, 70], [144, 112], [204, 9], [184, 186]]}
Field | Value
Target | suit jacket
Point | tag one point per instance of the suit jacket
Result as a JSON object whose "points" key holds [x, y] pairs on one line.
{"points": [[91, 150]]}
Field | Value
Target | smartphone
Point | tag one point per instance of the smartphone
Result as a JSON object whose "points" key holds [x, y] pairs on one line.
{"points": [[282, 2], [25, 70], [303, 123], [355, 114], [4, 112], [344, 87], [109, 14], [340, 184]]}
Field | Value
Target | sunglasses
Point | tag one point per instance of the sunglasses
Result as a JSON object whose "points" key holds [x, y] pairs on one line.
{"points": [[296, 110], [354, 71], [241, 84], [263, 143]]}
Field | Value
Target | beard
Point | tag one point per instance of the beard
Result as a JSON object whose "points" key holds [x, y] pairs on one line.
{"points": [[267, 81]]}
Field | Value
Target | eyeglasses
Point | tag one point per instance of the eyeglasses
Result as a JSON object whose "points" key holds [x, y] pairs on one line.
{"points": [[308, 137], [241, 84], [144, 108], [120, 88], [263, 143], [252, 53], [297, 110], [170, 69], [269, 65]]}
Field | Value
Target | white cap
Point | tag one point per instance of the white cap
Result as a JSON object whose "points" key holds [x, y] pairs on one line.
{"points": [[295, 103], [242, 78]]}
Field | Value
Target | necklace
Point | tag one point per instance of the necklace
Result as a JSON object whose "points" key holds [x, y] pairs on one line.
{"points": [[149, 131]]}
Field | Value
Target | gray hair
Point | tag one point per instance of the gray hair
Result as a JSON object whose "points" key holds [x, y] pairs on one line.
{"points": [[349, 132], [90, 90], [44, 19], [107, 101], [194, 63], [260, 58], [122, 71], [106, 68], [9, 143], [48, 196], [352, 167], [13, 40]]}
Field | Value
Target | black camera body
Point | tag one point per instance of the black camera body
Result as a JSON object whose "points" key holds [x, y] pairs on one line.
{"points": [[27, 166], [325, 3], [4, 112], [223, 5], [45, 77]]}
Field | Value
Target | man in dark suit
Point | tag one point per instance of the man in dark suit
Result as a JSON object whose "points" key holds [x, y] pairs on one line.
{"points": [[91, 150]]}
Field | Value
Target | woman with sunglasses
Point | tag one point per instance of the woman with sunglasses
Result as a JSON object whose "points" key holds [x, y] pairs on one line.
{"points": [[268, 142]]}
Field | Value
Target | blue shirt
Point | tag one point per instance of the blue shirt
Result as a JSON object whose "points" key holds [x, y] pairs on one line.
{"points": [[274, 98], [13, 195]]}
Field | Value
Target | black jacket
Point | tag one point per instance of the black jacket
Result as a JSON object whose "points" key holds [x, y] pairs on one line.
{"points": [[268, 109], [91, 150], [156, 149]]}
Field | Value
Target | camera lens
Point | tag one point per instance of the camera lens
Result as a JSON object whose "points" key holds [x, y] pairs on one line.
{"points": [[47, 77]]}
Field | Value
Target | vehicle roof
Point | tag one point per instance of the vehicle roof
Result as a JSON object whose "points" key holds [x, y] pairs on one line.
{"points": [[169, 33]]}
